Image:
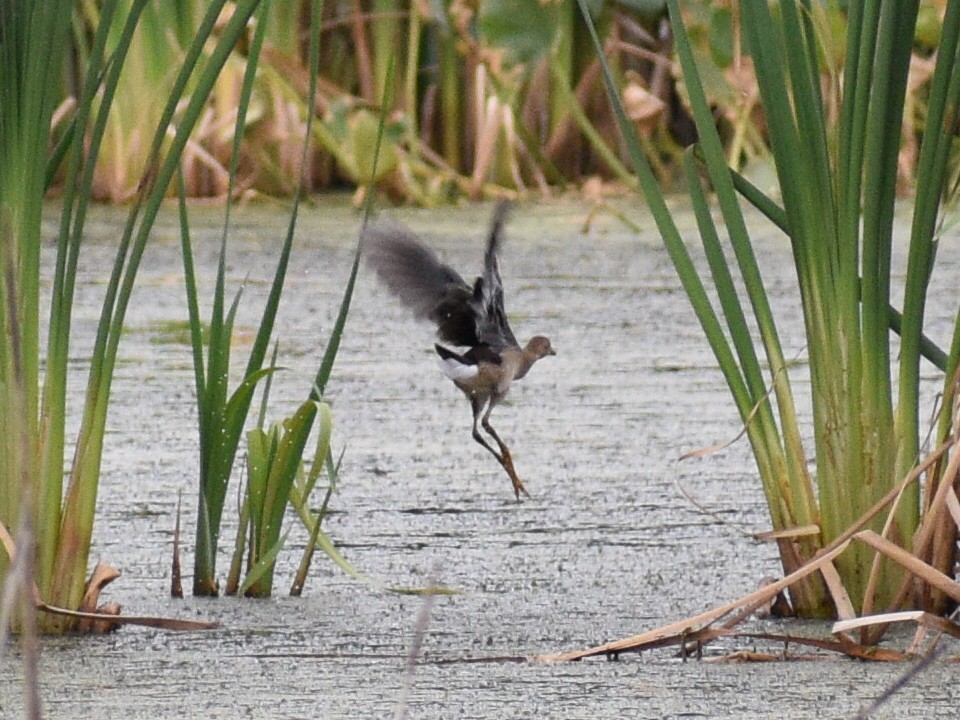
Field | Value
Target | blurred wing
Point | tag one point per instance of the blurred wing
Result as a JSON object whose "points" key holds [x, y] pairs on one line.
{"points": [[414, 273], [492, 326]]}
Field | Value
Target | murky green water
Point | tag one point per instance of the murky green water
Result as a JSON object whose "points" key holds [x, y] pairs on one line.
{"points": [[607, 547]]}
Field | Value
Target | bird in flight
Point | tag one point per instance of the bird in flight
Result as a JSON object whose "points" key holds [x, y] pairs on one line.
{"points": [[467, 317]]}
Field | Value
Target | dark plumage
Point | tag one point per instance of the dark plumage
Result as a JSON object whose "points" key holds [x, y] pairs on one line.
{"points": [[469, 317]]}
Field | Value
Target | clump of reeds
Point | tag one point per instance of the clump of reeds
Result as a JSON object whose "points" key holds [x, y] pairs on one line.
{"points": [[275, 472], [33, 52], [835, 144]]}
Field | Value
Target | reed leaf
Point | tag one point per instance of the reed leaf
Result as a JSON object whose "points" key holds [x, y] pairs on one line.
{"points": [[262, 569], [221, 418], [273, 462]]}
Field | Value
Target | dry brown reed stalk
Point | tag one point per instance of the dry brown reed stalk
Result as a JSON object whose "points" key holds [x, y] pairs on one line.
{"points": [[176, 583], [363, 58], [933, 532], [931, 518], [681, 629], [942, 545], [95, 618], [564, 143], [488, 122], [697, 631], [698, 628]]}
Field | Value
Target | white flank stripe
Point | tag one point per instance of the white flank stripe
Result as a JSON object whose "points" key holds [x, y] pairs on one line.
{"points": [[457, 370]]}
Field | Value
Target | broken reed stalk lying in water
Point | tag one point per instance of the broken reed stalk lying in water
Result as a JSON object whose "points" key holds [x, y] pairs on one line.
{"points": [[699, 629]]}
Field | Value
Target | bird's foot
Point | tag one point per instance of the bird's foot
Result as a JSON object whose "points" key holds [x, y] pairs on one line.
{"points": [[518, 486], [507, 463], [503, 457]]}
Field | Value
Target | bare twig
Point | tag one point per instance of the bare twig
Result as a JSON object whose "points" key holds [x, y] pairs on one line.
{"points": [[737, 527]]}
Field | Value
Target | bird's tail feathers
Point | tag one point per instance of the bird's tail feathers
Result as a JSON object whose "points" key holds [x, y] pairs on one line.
{"points": [[454, 366]]}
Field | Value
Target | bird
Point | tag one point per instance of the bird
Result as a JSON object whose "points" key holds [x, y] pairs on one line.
{"points": [[470, 318]]}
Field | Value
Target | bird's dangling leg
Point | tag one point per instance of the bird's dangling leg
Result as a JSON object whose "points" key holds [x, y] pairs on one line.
{"points": [[506, 460], [503, 457], [476, 405]]}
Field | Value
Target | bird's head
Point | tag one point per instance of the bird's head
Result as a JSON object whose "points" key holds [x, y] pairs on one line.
{"points": [[539, 347]]}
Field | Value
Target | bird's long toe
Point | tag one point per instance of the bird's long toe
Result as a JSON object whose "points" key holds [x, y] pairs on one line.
{"points": [[518, 486], [507, 463]]}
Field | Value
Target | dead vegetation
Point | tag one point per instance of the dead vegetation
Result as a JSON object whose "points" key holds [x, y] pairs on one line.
{"points": [[855, 636]]}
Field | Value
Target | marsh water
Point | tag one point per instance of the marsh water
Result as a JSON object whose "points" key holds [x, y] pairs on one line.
{"points": [[608, 545]]}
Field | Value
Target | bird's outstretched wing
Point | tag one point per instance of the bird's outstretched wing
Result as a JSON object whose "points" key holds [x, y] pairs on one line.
{"points": [[414, 273], [492, 326], [464, 316]]}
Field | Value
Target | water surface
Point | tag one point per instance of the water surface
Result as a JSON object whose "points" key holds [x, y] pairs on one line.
{"points": [[607, 547]]}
